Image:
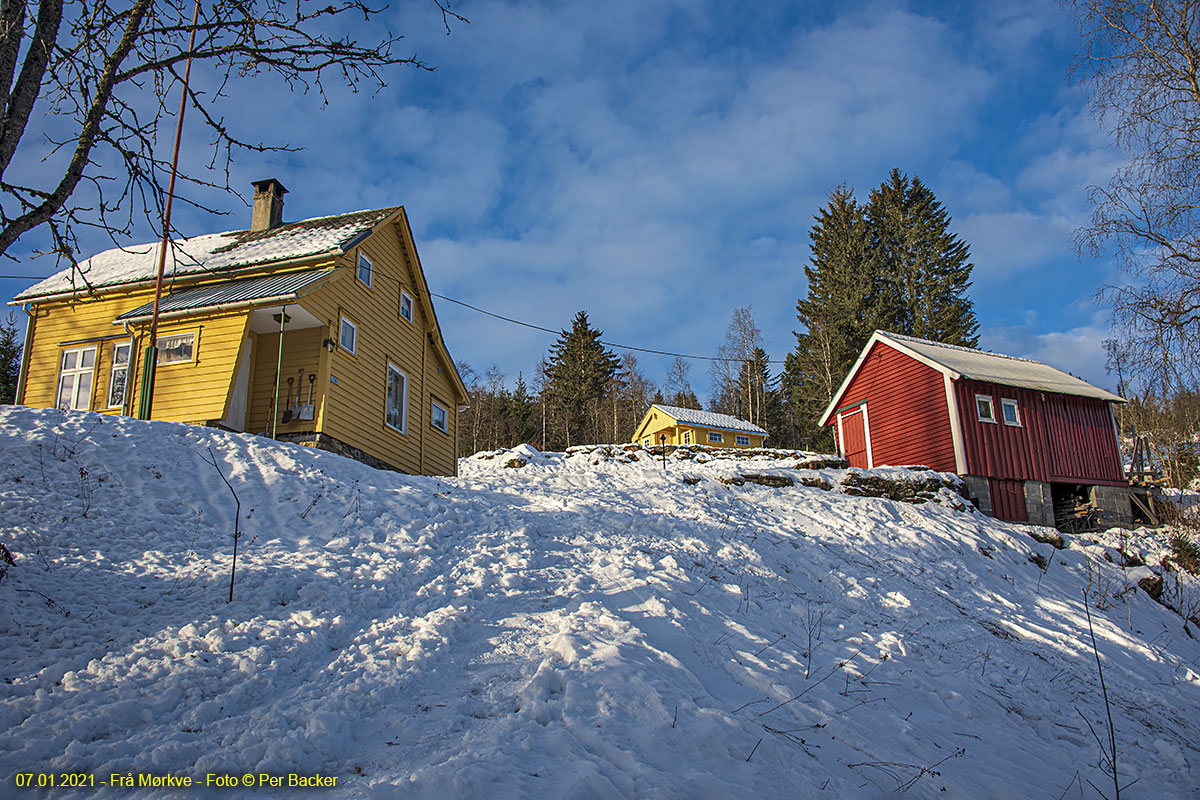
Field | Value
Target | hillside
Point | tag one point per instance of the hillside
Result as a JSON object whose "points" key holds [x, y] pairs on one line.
{"points": [[582, 626]]}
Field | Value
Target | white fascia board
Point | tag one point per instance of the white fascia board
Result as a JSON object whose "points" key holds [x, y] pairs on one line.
{"points": [[879, 336], [867, 436], [960, 451]]}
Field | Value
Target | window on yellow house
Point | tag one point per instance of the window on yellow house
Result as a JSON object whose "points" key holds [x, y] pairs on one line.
{"points": [[75, 379], [441, 417], [178, 348], [687, 437], [348, 336], [395, 413], [713, 436], [405, 305], [366, 270], [118, 374], [744, 441]]}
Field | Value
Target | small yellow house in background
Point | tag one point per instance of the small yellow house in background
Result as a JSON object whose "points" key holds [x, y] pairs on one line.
{"points": [[363, 370], [683, 426]]}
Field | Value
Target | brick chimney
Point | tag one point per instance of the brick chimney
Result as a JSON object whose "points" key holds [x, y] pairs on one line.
{"points": [[268, 204]]}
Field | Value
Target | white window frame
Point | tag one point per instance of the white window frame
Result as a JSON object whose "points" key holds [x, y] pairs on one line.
{"points": [[716, 436], [363, 261], [75, 374], [404, 295], [387, 389], [743, 441], [687, 437], [647, 441], [991, 405], [343, 322], [112, 373], [436, 407], [1007, 403], [164, 347]]}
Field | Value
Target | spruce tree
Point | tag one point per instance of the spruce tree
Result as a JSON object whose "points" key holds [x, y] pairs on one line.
{"points": [[578, 370], [839, 312], [926, 268], [10, 360]]}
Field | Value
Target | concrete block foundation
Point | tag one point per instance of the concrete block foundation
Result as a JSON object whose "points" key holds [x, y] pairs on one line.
{"points": [[1039, 504]]}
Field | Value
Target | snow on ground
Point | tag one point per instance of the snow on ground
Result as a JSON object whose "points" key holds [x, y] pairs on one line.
{"points": [[590, 626]]}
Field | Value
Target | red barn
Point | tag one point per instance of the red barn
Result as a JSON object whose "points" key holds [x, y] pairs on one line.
{"points": [[1032, 443]]}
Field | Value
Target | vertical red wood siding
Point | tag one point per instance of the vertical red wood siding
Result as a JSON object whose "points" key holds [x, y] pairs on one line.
{"points": [[1008, 500], [1061, 437], [855, 434], [907, 414]]}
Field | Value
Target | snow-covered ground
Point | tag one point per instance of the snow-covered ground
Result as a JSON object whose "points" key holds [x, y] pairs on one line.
{"points": [[577, 627]]}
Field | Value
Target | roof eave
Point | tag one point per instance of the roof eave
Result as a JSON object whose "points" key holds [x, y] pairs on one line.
{"points": [[879, 336], [400, 218], [287, 297], [180, 280]]}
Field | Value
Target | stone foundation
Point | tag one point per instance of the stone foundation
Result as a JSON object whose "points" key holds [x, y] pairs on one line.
{"points": [[323, 441], [979, 492], [1112, 505], [1039, 504]]}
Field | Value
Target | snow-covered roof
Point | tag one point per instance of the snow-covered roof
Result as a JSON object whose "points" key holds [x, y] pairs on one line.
{"points": [[212, 252], [980, 365], [709, 419]]}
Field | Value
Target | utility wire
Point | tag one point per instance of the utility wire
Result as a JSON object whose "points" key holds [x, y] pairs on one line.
{"points": [[606, 344], [523, 324]]}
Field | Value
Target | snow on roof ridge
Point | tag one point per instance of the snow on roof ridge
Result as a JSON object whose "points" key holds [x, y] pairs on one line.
{"points": [[715, 419], [972, 350], [212, 252]]}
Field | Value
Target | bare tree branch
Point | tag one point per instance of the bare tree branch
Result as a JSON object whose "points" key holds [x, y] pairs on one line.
{"points": [[1140, 66], [106, 70]]}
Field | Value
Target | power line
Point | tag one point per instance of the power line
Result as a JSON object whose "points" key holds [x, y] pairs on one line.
{"points": [[524, 324], [606, 344]]}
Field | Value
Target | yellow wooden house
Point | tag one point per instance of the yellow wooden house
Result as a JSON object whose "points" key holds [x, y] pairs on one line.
{"points": [[362, 370], [682, 426]]}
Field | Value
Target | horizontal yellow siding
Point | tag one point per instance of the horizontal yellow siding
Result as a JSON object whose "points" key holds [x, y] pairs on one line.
{"points": [[355, 406]]}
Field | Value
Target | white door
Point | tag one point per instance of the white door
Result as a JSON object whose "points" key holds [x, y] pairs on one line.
{"points": [[235, 419]]}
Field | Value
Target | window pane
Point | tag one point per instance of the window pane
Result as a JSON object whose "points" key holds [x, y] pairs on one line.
{"points": [[121, 354], [1011, 415], [87, 358], [65, 384], [406, 307], [348, 334], [70, 359], [116, 388], [83, 396], [364, 269]]}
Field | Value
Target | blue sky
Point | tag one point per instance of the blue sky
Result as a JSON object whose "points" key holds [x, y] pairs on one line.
{"points": [[659, 163]]}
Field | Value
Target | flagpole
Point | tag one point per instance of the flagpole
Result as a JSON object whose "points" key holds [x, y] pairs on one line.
{"points": [[150, 361]]}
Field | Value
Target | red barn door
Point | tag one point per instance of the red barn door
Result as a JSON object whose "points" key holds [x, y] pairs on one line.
{"points": [[1008, 500], [852, 425]]}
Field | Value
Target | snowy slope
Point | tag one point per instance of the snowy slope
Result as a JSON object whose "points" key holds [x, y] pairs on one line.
{"points": [[577, 627]]}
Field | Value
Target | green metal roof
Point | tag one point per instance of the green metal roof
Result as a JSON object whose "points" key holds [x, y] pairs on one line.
{"points": [[230, 294]]}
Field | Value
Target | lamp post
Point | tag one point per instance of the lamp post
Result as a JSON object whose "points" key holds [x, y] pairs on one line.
{"points": [[662, 441]]}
